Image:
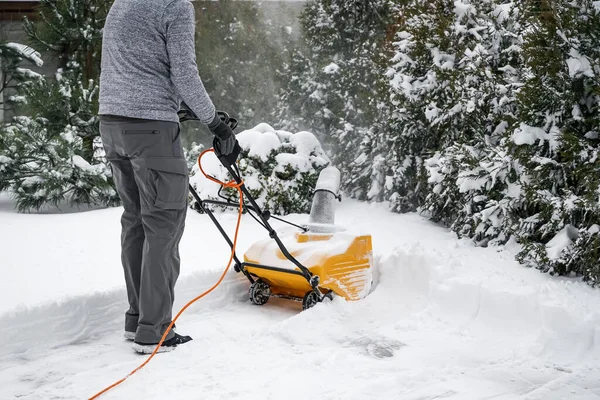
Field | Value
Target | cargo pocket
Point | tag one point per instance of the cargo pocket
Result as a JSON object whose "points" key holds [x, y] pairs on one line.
{"points": [[169, 179]]}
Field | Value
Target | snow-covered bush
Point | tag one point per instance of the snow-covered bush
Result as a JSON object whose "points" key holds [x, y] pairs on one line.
{"points": [[53, 155], [191, 154], [279, 168], [473, 192], [452, 85], [557, 137], [495, 128], [40, 167]]}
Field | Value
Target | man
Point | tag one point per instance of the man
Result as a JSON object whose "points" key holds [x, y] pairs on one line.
{"points": [[148, 69]]}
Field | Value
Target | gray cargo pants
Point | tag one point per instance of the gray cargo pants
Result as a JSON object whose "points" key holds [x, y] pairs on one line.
{"points": [[151, 177]]}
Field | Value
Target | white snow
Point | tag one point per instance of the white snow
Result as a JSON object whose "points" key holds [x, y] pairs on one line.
{"points": [[260, 144], [501, 128], [513, 190], [470, 180], [503, 11], [442, 60], [561, 241], [461, 9], [306, 144], [308, 254], [263, 127], [431, 112], [526, 134], [331, 68], [579, 65], [28, 73], [85, 166], [18, 99], [444, 320], [32, 181], [329, 179], [27, 52]]}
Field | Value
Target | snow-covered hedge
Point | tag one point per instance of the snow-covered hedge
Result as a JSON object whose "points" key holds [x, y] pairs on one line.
{"points": [[279, 168]]}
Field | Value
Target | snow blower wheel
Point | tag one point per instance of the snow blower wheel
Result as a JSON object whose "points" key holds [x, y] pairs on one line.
{"points": [[259, 292], [310, 300]]}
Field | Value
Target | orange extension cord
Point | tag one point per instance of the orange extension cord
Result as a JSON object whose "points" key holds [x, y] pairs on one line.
{"points": [[230, 184]]}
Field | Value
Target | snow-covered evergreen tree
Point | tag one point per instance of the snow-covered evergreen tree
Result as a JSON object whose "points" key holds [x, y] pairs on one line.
{"points": [[72, 32], [42, 158], [335, 83], [557, 139], [451, 86], [54, 155]]}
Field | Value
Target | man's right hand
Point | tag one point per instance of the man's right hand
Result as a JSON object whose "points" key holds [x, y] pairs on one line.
{"points": [[226, 146], [224, 134]]}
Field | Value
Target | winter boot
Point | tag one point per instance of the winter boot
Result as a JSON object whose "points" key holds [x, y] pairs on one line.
{"points": [[167, 345]]}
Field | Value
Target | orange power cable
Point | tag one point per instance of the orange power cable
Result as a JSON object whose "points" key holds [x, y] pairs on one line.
{"points": [[230, 184]]}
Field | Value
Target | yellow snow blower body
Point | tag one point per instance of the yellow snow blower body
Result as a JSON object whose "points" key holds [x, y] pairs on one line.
{"points": [[312, 265], [343, 263]]}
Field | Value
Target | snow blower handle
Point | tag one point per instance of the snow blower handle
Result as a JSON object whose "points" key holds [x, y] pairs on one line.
{"points": [[229, 159]]}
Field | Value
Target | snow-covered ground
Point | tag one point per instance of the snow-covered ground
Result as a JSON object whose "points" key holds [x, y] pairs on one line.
{"points": [[445, 320]]}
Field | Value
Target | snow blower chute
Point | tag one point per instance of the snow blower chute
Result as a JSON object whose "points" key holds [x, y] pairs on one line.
{"points": [[315, 263]]}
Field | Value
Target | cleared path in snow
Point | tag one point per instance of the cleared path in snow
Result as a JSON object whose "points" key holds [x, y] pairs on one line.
{"points": [[444, 321]]}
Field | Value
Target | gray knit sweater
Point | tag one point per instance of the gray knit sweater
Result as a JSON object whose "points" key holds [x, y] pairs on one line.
{"points": [[149, 61]]}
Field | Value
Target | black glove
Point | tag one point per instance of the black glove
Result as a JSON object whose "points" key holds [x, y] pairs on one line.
{"points": [[224, 134]]}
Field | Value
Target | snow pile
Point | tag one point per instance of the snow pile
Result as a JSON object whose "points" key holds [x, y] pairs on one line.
{"points": [[279, 168]]}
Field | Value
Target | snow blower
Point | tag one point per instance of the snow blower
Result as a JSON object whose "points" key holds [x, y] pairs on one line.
{"points": [[317, 262]]}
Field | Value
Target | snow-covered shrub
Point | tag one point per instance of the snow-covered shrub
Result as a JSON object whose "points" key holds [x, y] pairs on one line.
{"points": [[54, 156], [40, 167], [191, 154], [585, 254], [475, 192], [279, 168], [71, 32], [496, 124], [557, 137], [452, 85]]}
